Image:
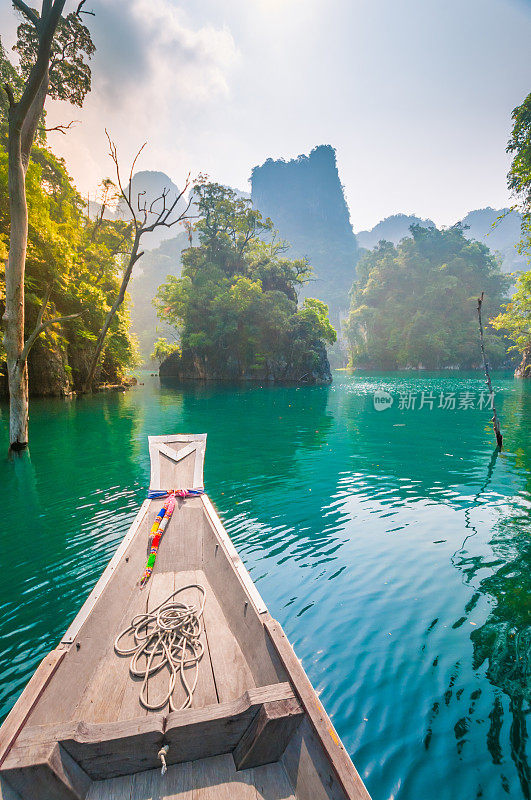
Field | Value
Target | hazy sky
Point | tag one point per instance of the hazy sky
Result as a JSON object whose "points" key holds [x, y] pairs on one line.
{"points": [[416, 95]]}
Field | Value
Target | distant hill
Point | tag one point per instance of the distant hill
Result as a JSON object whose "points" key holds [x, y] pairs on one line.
{"points": [[304, 198], [498, 229], [152, 270], [392, 229]]}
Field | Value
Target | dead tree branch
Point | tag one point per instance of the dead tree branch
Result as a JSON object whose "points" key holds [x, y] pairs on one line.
{"points": [[146, 218]]}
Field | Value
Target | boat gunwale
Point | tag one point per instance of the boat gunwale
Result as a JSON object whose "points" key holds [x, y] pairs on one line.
{"points": [[333, 751]]}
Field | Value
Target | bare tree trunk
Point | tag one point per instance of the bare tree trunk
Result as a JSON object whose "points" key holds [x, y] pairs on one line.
{"points": [[24, 116], [133, 258], [495, 420], [14, 306]]}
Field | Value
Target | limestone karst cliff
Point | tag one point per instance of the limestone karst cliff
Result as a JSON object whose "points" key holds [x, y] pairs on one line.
{"points": [[305, 199]]}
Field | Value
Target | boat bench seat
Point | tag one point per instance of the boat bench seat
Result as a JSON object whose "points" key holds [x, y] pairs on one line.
{"points": [[66, 758]]}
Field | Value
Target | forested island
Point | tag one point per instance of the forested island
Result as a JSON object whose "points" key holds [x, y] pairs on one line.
{"points": [[259, 288], [411, 303], [235, 304]]}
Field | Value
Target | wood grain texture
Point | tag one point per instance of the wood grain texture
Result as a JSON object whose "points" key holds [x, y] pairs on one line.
{"points": [[45, 772], [244, 622], [63, 696], [27, 701], [201, 780], [113, 789], [232, 674], [267, 736], [108, 749], [271, 783], [216, 779], [174, 785]]}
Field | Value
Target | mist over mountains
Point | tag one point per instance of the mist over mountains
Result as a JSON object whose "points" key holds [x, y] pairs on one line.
{"points": [[304, 197], [498, 229]]}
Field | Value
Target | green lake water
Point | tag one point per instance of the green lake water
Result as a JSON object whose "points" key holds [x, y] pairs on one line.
{"points": [[393, 546]]}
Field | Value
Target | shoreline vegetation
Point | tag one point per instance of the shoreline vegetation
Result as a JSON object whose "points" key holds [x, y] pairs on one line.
{"points": [[236, 305]]}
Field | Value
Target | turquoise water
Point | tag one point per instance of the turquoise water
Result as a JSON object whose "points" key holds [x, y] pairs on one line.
{"points": [[393, 547]]}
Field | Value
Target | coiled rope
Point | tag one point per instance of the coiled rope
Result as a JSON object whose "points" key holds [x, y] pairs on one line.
{"points": [[168, 636]]}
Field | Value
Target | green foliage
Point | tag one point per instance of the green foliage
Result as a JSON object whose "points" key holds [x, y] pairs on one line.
{"points": [[235, 305], [79, 261], [162, 349], [70, 76], [519, 178], [415, 303], [516, 317]]}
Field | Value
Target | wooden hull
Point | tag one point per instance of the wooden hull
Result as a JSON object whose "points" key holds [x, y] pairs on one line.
{"points": [[256, 728]]}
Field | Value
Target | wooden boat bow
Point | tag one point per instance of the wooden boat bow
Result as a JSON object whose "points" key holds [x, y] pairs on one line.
{"points": [[256, 728]]}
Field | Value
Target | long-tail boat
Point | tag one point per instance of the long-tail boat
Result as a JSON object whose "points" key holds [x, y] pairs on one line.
{"points": [[244, 722]]}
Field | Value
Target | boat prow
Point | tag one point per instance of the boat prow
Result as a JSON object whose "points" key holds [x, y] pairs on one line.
{"points": [[255, 727]]}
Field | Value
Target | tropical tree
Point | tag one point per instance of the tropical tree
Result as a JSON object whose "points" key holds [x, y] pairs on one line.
{"points": [[73, 263], [415, 303], [162, 349], [235, 304], [53, 50], [516, 317]]}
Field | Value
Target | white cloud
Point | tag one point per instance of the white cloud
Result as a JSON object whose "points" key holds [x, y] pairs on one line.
{"points": [[153, 74]]}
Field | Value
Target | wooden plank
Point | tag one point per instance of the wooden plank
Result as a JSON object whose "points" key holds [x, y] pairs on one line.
{"points": [[108, 749], [232, 674], [104, 699], [174, 785], [244, 621], [216, 779], [27, 701], [205, 692], [271, 783], [46, 772], [339, 760], [88, 606], [232, 553], [112, 789], [188, 473], [181, 547], [267, 736], [197, 733], [60, 703], [176, 453], [160, 587]]}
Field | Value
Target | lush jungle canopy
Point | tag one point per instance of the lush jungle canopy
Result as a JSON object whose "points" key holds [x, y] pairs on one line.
{"points": [[413, 304], [235, 304], [516, 318], [73, 260]]}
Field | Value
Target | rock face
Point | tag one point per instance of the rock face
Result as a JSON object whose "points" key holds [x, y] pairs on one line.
{"points": [[524, 368], [304, 198], [187, 367]]}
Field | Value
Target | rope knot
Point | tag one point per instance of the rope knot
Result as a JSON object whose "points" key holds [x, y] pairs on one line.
{"points": [[163, 752]]}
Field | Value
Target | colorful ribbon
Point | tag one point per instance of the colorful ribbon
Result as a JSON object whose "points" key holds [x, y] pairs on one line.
{"points": [[155, 494], [161, 522], [157, 532]]}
